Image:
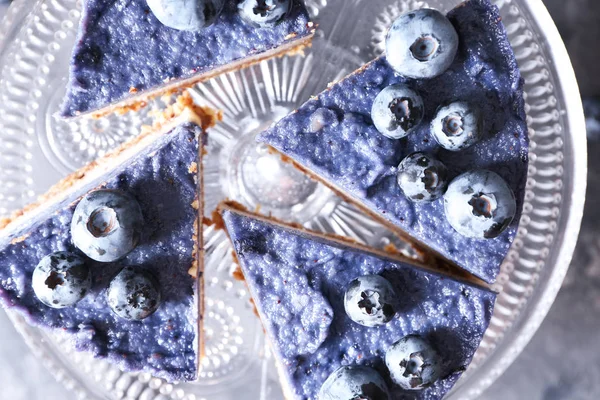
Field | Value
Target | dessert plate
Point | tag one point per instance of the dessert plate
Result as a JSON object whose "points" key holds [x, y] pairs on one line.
{"points": [[37, 149]]}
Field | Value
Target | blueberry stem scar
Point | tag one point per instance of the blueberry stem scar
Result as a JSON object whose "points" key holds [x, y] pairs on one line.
{"points": [[103, 221]]}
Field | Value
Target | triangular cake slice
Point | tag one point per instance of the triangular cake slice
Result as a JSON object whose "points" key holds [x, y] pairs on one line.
{"points": [[125, 55], [302, 285], [135, 298], [335, 139]]}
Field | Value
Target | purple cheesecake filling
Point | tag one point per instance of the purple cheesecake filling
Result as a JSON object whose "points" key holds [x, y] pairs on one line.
{"points": [[350, 153], [121, 45], [164, 343], [298, 281]]}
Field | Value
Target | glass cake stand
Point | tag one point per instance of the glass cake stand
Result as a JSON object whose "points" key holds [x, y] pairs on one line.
{"points": [[36, 37]]}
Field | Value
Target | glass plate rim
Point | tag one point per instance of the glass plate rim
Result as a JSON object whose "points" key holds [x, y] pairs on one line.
{"points": [[539, 304]]}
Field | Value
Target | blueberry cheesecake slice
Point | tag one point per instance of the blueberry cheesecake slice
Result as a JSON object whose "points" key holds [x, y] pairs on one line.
{"points": [[430, 139], [348, 322], [128, 51], [112, 254]]}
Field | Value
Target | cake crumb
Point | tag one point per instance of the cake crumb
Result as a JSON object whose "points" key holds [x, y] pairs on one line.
{"points": [[208, 117], [19, 239], [237, 274], [133, 90], [193, 271], [217, 220], [254, 309], [392, 249], [193, 168], [166, 98]]}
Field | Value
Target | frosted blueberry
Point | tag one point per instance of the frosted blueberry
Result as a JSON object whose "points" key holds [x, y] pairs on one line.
{"points": [[457, 126], [133, 294], [421, 44], [61, 279], [413, 363], [323, 117], [352, 383], [422, 177], [370, 300], [106, 225], [186, 15], [396, 111], [479, 204], [263, 12]]}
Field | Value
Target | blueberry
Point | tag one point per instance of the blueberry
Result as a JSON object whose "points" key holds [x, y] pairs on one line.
{"points": [[422, 177], [133, 294], [479, 204], [457, 126], [352, 383], [323, 117], [186, 15], [370, 300], [421, 44], [413, 363], [61, 279], [263, 12], [396, 111], [106, 225]]}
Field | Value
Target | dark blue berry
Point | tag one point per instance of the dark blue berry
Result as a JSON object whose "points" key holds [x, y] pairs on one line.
{"points": [[422, 177], [421, 44], [323, 117], [354, 382], [263, 12], [413, 363], [133, 294], [186, 15], [61, 279], [396, 111], [107, 225], [479, 204], [457, 126], [370, 300]]}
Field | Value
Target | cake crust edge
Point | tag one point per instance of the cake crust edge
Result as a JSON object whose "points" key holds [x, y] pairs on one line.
{"points": [[138, 100], [441, 270], [183, 109]]}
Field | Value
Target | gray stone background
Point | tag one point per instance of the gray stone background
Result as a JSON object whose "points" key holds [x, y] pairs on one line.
{"points": [[563, 359]]}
